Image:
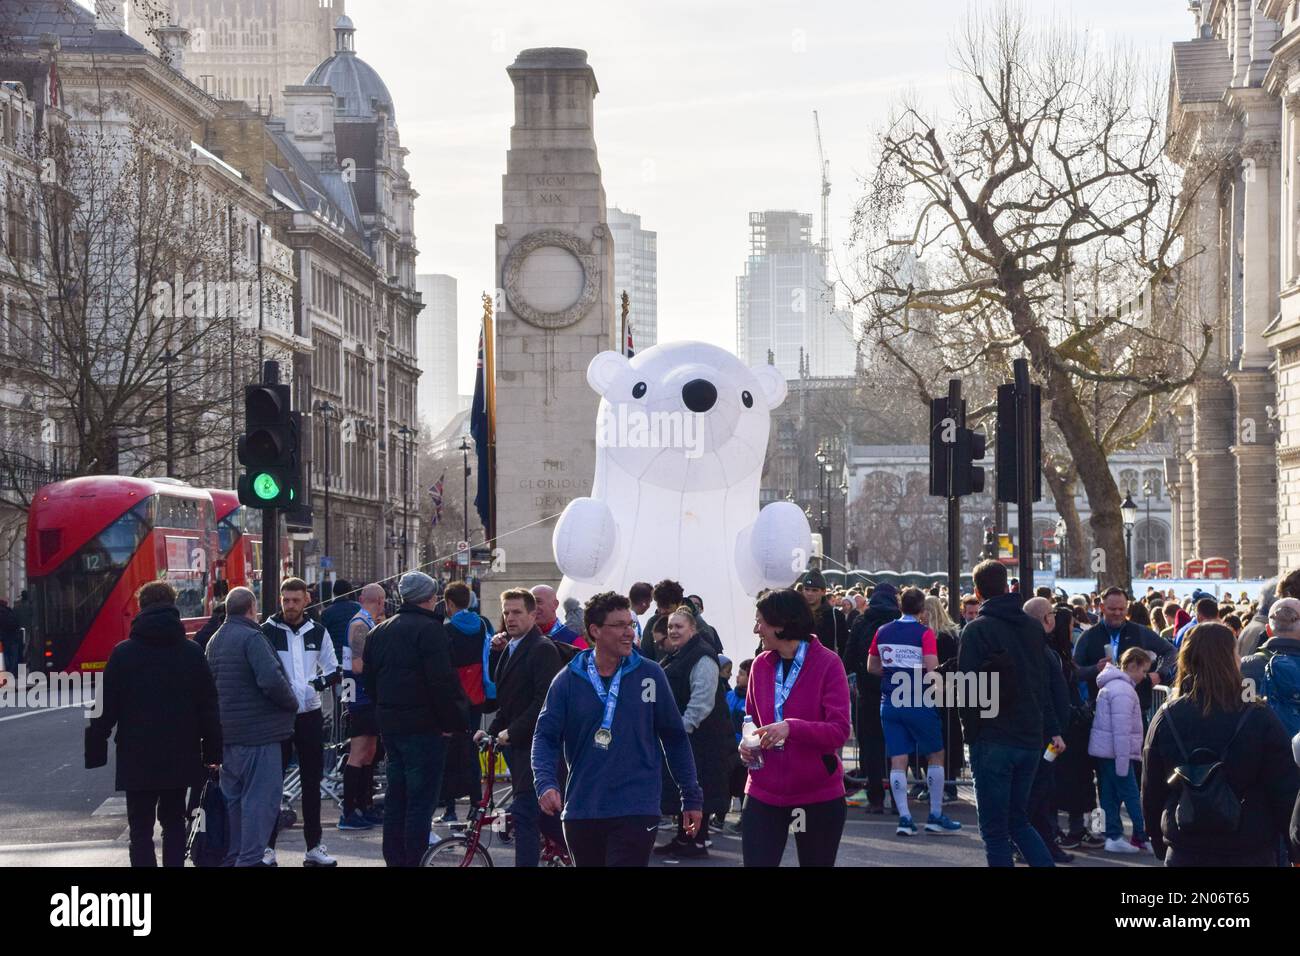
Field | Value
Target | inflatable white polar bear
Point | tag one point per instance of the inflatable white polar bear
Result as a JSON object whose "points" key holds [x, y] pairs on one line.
{"points": [[681, 436]]}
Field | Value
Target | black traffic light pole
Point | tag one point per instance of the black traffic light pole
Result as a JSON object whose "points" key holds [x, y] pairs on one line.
{"points": [[270, 528], [1026, 466], [957, 412], [954, 449]]}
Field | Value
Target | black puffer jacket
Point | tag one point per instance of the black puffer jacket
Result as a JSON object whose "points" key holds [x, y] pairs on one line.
{"points": [[1029, 718], [408, 674], [159, 694], [1260, 772]]}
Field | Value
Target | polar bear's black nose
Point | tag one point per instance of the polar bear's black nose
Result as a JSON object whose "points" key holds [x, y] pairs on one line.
{"points": [[699, 395]]}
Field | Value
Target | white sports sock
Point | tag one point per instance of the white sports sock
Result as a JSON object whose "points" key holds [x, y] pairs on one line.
{"points": [[934, 780], [898, 787]]}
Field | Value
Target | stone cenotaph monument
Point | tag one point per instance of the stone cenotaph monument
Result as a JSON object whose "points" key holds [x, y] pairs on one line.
{"points": [[554, 312]]}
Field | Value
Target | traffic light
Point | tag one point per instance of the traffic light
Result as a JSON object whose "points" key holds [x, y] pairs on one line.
{"points": [[970, 447], [299, 514], [943, 432], [1008, 442], [268, 449], [954, 449]]}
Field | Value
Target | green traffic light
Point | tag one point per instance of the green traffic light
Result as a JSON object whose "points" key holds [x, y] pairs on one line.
{"points": [[266, 487]]}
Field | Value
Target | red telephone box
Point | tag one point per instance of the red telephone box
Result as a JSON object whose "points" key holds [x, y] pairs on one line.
{"points": [[1218, 568]]}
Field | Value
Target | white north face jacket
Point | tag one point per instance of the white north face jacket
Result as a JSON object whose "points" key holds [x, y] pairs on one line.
{"points": [[304, 653]]}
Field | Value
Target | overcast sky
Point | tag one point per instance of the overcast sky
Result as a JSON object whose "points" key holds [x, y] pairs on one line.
{"points": [[704, 114]]}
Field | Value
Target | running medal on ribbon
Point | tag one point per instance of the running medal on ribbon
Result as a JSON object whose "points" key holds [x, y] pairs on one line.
{"points": [[604, 736]]}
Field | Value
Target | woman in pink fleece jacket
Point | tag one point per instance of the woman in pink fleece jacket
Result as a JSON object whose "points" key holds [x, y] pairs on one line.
{"points": [[1116, 742], [799, 698]]}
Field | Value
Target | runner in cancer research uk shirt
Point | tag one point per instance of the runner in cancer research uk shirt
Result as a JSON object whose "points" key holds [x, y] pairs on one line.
{"points": [[902, 652]]}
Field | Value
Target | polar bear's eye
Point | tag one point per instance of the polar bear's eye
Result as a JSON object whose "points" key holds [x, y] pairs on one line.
{"points": [[638, 389], [747, 399]]}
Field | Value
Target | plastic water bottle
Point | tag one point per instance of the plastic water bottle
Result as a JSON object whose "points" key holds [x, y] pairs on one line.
{"points": [[749, 740]]}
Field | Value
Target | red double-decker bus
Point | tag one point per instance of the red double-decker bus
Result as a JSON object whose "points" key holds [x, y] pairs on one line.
{"points": [[239, 542], [93, 542]]}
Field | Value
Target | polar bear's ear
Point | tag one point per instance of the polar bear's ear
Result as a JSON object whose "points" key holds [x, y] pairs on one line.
{"points": [[771, 381], [604, 369]]}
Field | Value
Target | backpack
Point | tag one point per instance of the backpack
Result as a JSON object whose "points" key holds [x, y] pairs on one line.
{"points": [[1282, 689], [209, 829], [472, 681], [1205, 804]]}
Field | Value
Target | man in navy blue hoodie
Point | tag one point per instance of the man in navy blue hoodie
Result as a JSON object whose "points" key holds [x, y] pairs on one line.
{"points": [[610, 710], [1006, 732]]}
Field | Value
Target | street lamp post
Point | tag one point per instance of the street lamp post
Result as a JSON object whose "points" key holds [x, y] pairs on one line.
{"points": [[1128, 511], [1061, 529], [406, 434], [827, 468], [844, 495], [1146, 532], [326, 409], [167, 360]]}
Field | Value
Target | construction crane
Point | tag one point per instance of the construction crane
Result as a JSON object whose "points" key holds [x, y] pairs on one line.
{"points": [[825, 170]]}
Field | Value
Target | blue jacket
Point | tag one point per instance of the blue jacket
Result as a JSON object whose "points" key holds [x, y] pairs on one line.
{"points": [[471, 643], [736, 707], [627, 779], [561, 633]]}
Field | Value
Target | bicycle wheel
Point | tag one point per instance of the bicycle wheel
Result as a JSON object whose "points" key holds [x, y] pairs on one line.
{"points": [[451, 852]]}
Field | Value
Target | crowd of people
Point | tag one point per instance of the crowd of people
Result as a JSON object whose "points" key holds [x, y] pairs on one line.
{"points": [[624, 719]]}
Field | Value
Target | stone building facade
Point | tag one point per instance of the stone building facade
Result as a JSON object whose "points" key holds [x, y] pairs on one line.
{"points": [[334, 164], [246, 50], [70, 75], [1283, 335], [896, 525], [1225, 130]]}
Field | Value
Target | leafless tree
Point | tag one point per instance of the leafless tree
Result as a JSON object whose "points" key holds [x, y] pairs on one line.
{"points": [[1040, 219], [122, 253]]}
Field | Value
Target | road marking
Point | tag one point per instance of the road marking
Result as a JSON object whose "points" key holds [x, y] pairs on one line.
{"points": [[112, 807], [43, 710], [66, 845]]}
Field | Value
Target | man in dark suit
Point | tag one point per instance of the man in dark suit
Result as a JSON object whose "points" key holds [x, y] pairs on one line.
{"points": [[523, 664]]}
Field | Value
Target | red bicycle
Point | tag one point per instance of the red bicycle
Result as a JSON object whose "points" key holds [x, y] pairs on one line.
{"points": [[469, 847]]}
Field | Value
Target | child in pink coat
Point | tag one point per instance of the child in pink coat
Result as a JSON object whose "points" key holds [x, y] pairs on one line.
{"points": [[1116, 742]]}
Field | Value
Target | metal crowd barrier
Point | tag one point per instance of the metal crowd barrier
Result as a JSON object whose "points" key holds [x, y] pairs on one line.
{"points": [[1159, 697]]}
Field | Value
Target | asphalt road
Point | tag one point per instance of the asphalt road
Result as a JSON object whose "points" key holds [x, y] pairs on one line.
{"points": [[56, 813]]}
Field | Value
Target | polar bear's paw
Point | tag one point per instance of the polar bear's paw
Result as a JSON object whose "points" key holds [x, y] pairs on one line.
{"points": [[585, 539], [780, 544]]}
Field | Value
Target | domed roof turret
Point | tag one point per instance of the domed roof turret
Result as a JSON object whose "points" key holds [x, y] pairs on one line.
{"points": [[356, 85]]}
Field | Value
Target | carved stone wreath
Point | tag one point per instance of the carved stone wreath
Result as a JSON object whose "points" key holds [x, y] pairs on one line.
{"points": [[512, 271]]}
